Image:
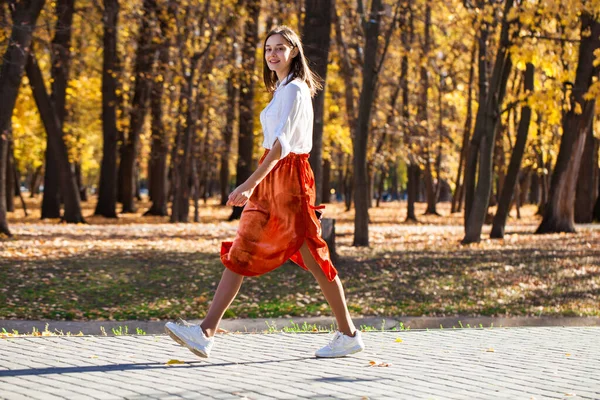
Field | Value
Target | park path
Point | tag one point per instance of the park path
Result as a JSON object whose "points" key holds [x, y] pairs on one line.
{"points": [[496, 363]]}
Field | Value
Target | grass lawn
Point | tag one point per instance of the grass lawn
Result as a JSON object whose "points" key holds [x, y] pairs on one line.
{"points": [[146, 268]]}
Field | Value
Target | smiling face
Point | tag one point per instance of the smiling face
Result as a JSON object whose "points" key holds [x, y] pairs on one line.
{"points": [[279, 54]]}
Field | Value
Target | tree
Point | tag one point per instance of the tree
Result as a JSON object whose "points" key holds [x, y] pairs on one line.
{"points": [[157, 168], [4, 139], [107, 192], [361, 140], [25, 14], [457, 198], [486, 125], [559, 211], [423, 115], [413, 170], [246, 100], [316, 38], [232, 98], [61, 62], [586, 190], [67, 183], [144, 62], [510, 182]]}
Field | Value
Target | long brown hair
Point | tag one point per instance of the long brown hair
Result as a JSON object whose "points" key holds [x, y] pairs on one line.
{"points": [[299, 67]]}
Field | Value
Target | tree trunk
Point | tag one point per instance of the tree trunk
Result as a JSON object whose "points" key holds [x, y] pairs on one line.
{"points": [[458, 191], [596, 212], [10, 176], [586, 182], [511, 182], [413, 177], [61, 57], [486, 125], [51, 195], [525, 185], [326, 187], [69, 191], [347, 72], [361, 140], [158, 154], [3, 164], [559, 211], [34, 186], [184, 155], [139, 107], [107, 191], [423, 114], [542, 173], [61, 62], [315, 39], [381, 184], [246, 100], [472, 152], [17, 187], [79, 181], [158, 171], [25, 15], [232, 98], [406, 22]]}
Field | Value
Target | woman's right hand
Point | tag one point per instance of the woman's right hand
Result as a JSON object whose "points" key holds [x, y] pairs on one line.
{"points": [[240, 196]]}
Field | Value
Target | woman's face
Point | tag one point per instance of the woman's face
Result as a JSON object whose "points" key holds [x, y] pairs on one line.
{"points": [[279, 54]]}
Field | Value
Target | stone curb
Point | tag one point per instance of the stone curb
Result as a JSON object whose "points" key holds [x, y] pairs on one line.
{"points": [[274, 324]]}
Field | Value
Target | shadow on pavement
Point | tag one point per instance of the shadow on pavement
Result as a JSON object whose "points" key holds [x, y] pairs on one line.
{"points": [[137, 366]]}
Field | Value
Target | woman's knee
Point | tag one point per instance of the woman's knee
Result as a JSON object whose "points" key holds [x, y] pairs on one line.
{"points": [[310, 261]]}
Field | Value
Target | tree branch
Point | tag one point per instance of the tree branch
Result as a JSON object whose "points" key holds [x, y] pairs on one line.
{"points": [[388, 36], [556, 39]]}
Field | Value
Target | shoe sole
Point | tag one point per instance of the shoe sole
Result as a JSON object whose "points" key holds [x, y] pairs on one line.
{"points": [[182, 342], [352, 351]]}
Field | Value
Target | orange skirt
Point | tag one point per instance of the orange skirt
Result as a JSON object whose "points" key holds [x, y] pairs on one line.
{"points": [[278, 218]]}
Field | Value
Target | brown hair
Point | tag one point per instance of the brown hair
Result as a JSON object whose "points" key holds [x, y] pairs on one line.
{"points": [[299, 67]]}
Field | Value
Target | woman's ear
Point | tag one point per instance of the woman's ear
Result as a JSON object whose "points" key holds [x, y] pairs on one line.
{"points": [[295, 52]]}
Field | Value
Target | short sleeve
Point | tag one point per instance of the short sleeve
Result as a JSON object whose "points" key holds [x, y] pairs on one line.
{"points": [[289, 115]]}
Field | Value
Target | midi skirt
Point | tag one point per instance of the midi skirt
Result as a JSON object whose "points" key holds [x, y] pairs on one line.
{"points": [[277, 219]]}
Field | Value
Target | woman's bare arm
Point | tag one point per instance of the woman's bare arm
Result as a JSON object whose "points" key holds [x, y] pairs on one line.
{"points": [[239, 197]]}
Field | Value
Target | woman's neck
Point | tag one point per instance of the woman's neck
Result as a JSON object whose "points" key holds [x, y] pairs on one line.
{"points": [[283, 75]]}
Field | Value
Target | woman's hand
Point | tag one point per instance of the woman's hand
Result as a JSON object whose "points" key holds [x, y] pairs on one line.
{"points": [[240, 196]]}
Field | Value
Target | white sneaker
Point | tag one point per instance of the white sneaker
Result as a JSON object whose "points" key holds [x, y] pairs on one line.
{"points": [[190, 336], [342, 345]]}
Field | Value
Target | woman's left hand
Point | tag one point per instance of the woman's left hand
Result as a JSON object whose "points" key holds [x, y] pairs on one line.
{"points": [[240, 196]]}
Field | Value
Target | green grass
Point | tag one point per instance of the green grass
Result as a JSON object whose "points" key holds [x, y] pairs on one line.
{"points": [[423, 274]]}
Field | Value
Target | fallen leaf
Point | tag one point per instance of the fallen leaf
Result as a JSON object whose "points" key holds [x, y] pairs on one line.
{"points": [[398, 340], [371, 362], [491, 350], [93, 356], [174, 361], [568, 354], [383, 364]]}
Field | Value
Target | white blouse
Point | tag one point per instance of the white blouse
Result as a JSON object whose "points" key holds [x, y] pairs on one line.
{"points": [[289, 118]]}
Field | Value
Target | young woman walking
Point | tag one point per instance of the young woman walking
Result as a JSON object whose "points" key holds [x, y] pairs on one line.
{"points": [[279, 221]]}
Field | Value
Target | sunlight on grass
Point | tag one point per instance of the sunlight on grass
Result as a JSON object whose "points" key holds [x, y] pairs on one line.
{"points": [[147, 269]]}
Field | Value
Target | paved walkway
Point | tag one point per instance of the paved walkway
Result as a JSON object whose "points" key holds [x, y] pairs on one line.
{"points": [[511, 363]]}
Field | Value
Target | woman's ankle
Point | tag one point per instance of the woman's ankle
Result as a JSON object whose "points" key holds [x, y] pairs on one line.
{"points": [[208, 332]]}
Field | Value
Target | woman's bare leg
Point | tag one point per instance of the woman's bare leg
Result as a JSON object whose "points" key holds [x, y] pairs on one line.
{"points": [[333, 291], [226, 291]]}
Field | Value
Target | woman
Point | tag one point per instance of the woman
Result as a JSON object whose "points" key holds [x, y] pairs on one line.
{"points": [[279, 221]]}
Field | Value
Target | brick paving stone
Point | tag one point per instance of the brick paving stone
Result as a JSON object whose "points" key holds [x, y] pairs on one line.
{"points": [[437, 364]]}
